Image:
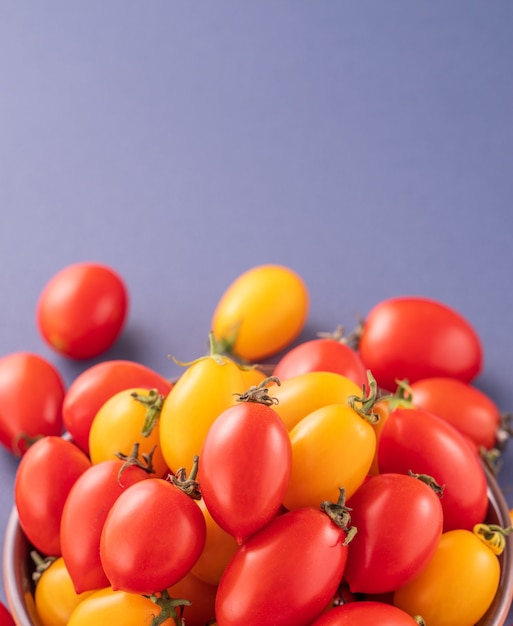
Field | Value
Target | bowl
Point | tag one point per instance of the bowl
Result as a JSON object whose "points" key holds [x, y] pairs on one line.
{"points": [[19, 588]]}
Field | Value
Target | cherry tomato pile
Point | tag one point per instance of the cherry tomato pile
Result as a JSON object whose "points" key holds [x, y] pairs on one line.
{"points": [[342, 483]]}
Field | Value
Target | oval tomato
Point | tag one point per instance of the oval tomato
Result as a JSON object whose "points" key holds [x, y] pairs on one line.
{"points": [[82, 310], [85, 511], [156, 524], [331, 446], [413, 338], [458, 584], [95, 385], [6, 618], [44, 478], [55, 595], [322, 355], [467, 408], [416, 440], [290, 570], [261, 312], [31, 398], [121, 422], [204, 390], [399, 520], [365, 613], [245, 466]]}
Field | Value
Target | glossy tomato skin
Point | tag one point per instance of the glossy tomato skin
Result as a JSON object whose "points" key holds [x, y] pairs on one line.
{"points": [[31, 397], [464, 406], [82, 310], [285, 574], [399, 520], [95, 385], [204, 390], [331, 446], [322, 355], [245, 467], [457, 586], [45, 476], [416, 440], [365, 613], [155, 523], [261, 312], [85, 511], [6, 618], [55, 595], [413, 338]]}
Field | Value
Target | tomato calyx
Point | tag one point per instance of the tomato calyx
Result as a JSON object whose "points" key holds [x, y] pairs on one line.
{"points": [[493, 535], [340, 515], [260, 393], [188, 484], [420, 620], [339, 336], [402, 398], [168, 608], [41, 564], [23, 441], [366, 401], [429, 481], [145, 464], [153, 402]]}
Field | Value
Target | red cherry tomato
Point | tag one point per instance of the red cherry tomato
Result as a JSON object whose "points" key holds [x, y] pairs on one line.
{"points": [[413, 338], [85, 511], [95, 385], [6, 618], [82, 310], [322, 355], [245, 467], [285, 574], [399, 520], [153, 535], [416, 440], [467, 408], [365, 613], [45, 476], [31, 397]]}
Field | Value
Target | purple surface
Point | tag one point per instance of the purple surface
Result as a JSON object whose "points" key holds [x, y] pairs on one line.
{"points": [[367, 145]]}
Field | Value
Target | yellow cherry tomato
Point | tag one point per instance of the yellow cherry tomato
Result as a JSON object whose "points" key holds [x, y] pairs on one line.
{"points": [[106, 607], [332, 447], [457, 586], [219, 548], [252, 376], [205, 389], [261, 312], [55, 597], [120, 423], [300, 395]]}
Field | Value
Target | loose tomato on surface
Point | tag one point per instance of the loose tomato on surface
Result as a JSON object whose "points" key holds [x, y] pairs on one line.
{"points": [[286, 573], [203, 391], [82, 310], [418, 441], [45, 476], [365, 613], [322, 355], [85, 511], [55, 595], [156, 524], [245, 464], [457, 586], [332, 446], [129, 417], [6, 618], [107, 607], [31, 398], [464, 406], [302, 394], [414, 338], [95, 385], [261, 312], [399, 520]]}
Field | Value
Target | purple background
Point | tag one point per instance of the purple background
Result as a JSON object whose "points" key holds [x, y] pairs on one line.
{"points": [[367, 145]]}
